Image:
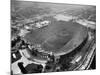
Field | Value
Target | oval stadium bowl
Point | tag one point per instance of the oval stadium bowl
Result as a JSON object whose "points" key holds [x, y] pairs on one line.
{"points": [[60, 37], [50, 37]]}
